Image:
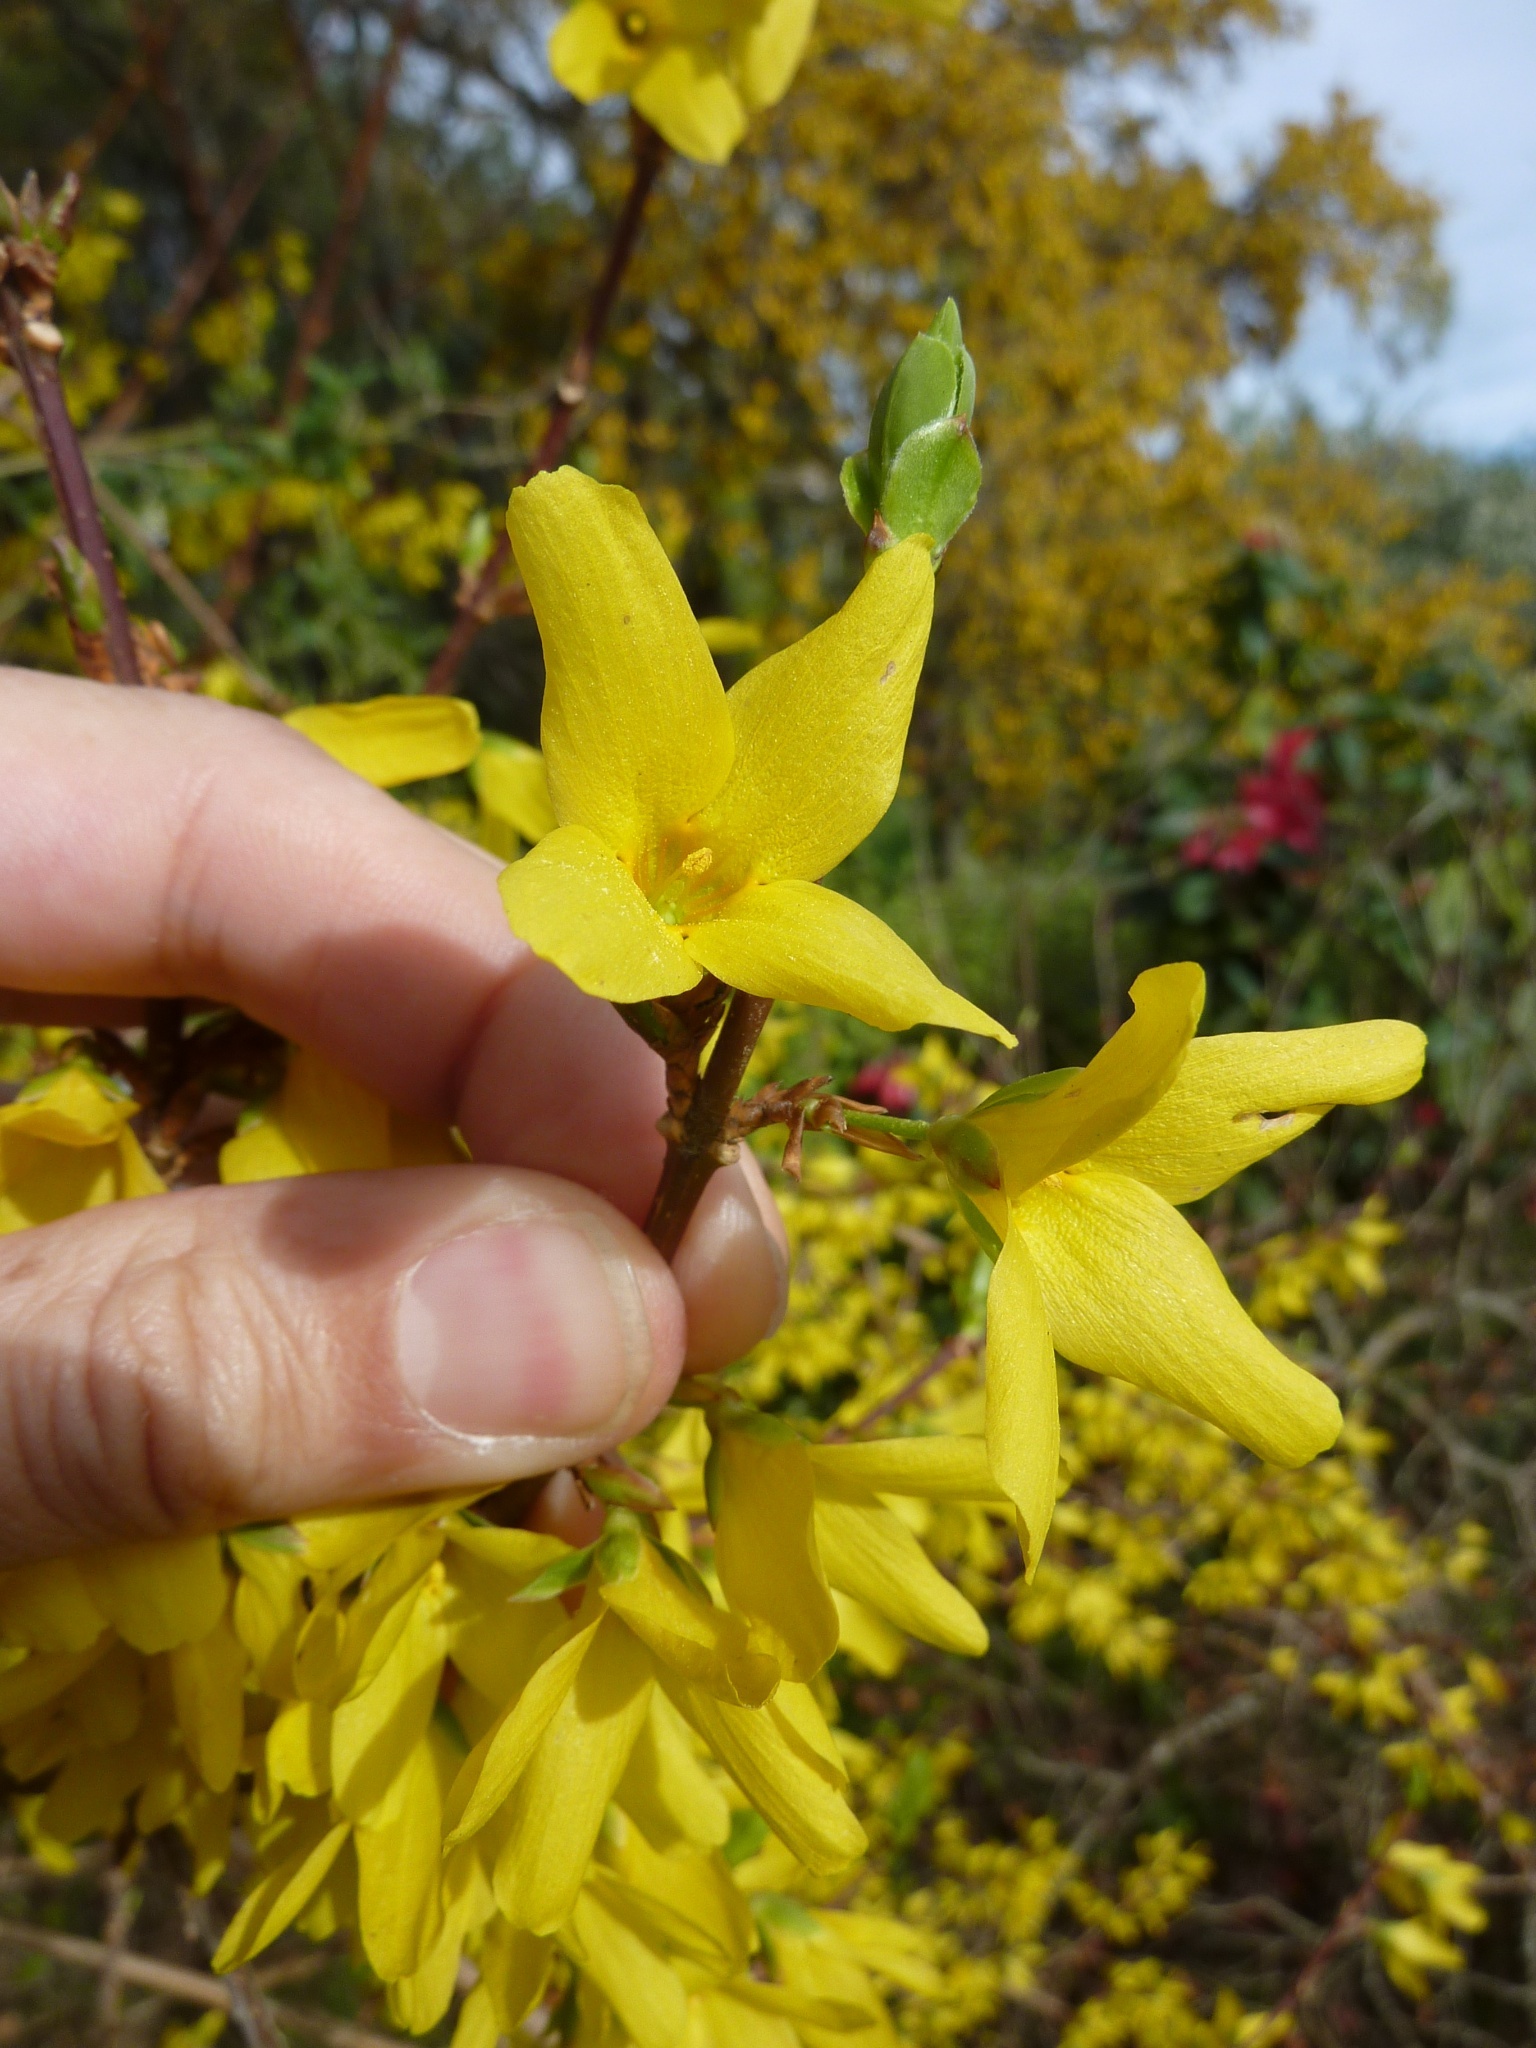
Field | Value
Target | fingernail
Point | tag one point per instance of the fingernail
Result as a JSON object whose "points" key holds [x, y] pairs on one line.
{"points": [[522, 1329]]}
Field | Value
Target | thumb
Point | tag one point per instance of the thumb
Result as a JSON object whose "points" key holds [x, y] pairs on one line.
{"points": [[226, 1355]]}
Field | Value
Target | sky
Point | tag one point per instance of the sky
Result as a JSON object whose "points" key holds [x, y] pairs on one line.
{"points": [[1455, 83]]}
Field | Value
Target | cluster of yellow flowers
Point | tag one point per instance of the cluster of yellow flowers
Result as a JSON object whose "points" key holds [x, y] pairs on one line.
{"points": [[613, 1769], [1345, 1258]]}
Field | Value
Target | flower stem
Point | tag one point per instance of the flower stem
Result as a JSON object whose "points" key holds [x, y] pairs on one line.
{"points": [[71, 480], [477, 597], [706, 1140]]}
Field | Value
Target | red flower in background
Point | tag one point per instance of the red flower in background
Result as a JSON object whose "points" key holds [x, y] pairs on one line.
{"points": [[877, 1085], [1278, 806]]}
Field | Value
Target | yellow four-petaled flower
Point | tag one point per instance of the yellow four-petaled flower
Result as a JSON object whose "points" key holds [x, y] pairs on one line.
{"points": [[696, 69], [693, 823], [1075, 1184]]}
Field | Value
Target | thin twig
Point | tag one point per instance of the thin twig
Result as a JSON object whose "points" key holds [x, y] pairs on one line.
{"points": [[478, 593], [71, 480], [194, 1987], [191, 599]]}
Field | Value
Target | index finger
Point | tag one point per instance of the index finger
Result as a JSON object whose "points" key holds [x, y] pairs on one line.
{"points": [[159, 845]]}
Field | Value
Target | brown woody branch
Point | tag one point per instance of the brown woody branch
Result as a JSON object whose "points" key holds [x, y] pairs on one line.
{"points": [[201, 271], [699, 1126], [28, 270], [479, 593]]}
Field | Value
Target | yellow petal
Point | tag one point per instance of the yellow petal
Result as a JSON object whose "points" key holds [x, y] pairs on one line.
{"points": [[280, 1897], [694, 1637], [645, 1992], [869, 1637], [399, 1866], [512, 786], [1130, 1289], [873, 1556], [299, 1748], [1023, 1421], [749, 2013], [588, 54], [636, 733], [157, 1595], [666, 1789], [767, 52], [208, 1688], [391, 740], [1240, 1097], [821, 728], [573, 900], [477, 2025], [781, 1773], [1119, 1085], [498, 1760], [687, 97], [46, 1607], [705, 1913], [926, 1467], [559, 1801], [65, 1146], [805, 944], [373, 1733], [514, 1967], [320, 1121], [765, 1545]]}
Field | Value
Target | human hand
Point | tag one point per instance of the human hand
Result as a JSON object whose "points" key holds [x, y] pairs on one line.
{"points": [[223, 1355]]}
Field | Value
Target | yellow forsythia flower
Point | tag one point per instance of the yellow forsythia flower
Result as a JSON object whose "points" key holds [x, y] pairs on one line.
{"points": [[692, 824], [696, 69], [1071, 1177], [67, 1143], [393, 740], [321, 1121]]}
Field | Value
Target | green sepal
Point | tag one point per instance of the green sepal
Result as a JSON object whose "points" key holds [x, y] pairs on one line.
{"points": [[559, 1576], [1033, 1088], [933, 483], [965, 402], [859, 491], [978, 1225], [683, 1569], [618, 1548], [966, 1152]]}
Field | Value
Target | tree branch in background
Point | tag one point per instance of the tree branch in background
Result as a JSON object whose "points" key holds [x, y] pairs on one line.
{"points": [[201, 271], [318, 317], [478, 594], [181, 143], [34, 238], [190, 598], [191, 1987]]}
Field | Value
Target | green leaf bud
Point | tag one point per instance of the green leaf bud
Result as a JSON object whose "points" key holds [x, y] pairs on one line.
{"points": [[921, 473]]}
